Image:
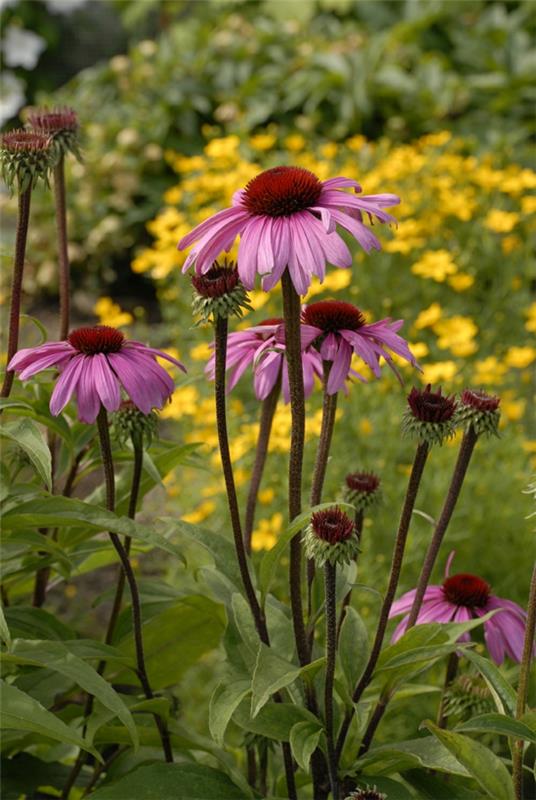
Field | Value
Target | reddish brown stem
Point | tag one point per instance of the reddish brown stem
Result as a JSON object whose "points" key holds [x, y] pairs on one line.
{"points": [[63, 254]]}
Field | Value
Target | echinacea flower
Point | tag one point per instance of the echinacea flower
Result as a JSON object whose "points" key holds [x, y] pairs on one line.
{"points": [[331, 537], [361, 489], [430, 416], [263, 348], [94, 364], [463, 597], [286, 216], [338, 329]]}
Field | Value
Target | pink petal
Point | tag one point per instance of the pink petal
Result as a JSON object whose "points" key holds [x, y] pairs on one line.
{"points": [[212, 225], [67, 383], [106, 382]]}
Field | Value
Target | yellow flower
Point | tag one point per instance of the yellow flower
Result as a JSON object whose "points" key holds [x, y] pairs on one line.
{"points": [[461, 281], [419, 349], [440, 371], [329, 150], [510, 243], [203, 511], [356, 142], [530, 313], [489, 371], [428, 317], [266, 496], [295, 142], [528, 204], [224, 148], [520, 357], [201, 352], [501, 221], [512, 409], [109, 313], [456, 334], [333, 282], [264, 536], [184, 402], [365, 426], [263, 141], [435, 264], [173, 196]]}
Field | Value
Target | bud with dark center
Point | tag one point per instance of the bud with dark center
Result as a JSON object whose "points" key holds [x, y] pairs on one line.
{"points": [[59, 123], [26, 156], [129, 423], [479, 410], [281, 192], [361, 489], [368, 793], [219, 293], [430, 416], [331, 537]]}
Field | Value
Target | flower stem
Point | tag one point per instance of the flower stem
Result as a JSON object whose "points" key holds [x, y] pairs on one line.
{"points": [[374, 721], [269, 406], [220, 355], [330, 573], [329, 409], [396, 565], [523, 686], [109, 479], [450, 674], [464, 456], [21, 237], [291, 312], [63, 256]]}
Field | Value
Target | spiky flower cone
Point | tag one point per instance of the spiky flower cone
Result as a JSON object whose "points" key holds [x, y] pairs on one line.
{"points": [[430, 416], [331, 538], [219, 293], [61, 125], [479, 410]]}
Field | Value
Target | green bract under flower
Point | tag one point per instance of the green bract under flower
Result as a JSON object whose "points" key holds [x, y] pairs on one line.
{"points": [[430, 416], [219, 293], [479, 410], [27, 156], [331, 537], [61, 124], [131, 423], [362, 489]]}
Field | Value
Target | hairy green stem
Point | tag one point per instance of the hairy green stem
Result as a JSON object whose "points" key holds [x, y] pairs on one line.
{"points": [[417, 470], [268, 409], [21, 237], [523, 686]]}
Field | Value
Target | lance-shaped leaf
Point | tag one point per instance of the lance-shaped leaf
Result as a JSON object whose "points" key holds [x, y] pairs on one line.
{"points": [[28, 437], [271, 674]]}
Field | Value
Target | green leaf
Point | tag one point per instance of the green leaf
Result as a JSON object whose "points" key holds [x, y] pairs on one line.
{"points": [[400, 756], [274, 720], [56, 656], [486, 768], [36, 623], [23, 775], [29, 438], [304, 739], [223, 703], [43, 416], [270, 559], [432, 786], [498, 723], [20, 712], [157, 705], [166, 781], [221, 549], [502, 693], [176, 638], [52, 511], [353, 647], [4, 630], [271, 674]]}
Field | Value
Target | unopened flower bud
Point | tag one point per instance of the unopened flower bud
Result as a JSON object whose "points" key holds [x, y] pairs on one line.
{"points": [[219, 293], [430, 416], [131, 423], [61, 124], [26, 156], [479, 410], [361, 489], [368, 793], [331, 537]]}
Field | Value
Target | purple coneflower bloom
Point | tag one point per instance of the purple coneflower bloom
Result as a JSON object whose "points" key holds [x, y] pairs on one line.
{"points": [[94, 364], [263, 347], [338, 330], [463, 597], [286, 216]]}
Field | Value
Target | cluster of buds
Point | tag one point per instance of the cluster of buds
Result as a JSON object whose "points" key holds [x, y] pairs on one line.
{"points": [[479, 410], [27, 156], [430, 416], [219, 293], [362, 489], [129, 423], [331, 537], [61, 125], [367, 793]]}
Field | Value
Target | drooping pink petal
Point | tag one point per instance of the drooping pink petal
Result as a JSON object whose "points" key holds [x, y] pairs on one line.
{"points": [[87, 397], [339, 368], [67, 384], [141, 391], [405, 602], [212, 225], [30, 360], [106, 383]]}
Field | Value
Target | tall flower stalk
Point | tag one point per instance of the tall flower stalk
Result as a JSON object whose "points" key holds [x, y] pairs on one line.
{"points": [[26, 158]]}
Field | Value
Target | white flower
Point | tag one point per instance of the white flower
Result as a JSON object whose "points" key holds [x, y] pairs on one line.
{"points": [[22, 48]]}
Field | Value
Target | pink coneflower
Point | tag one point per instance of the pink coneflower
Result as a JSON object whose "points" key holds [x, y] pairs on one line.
{"points": [[286, 216], [463, 597], [95, 363], [338, 329], [263, 347]]}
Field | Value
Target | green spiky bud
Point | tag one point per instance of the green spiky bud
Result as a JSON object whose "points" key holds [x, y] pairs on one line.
{"points": [[129, 423], [430, 416], [479, 410], [61, 124], [331, 537], [219, 293], [467, 696], [361, 489], [27, 157], [367, 793]]}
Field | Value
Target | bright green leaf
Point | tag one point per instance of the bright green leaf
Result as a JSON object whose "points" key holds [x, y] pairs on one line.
{"points": [[223, 703], [502, 693], [165, 781], [304, 739], [498, 723], [4, 630], [28, 437], [271, 674], [274, 720], [353, 647]]}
